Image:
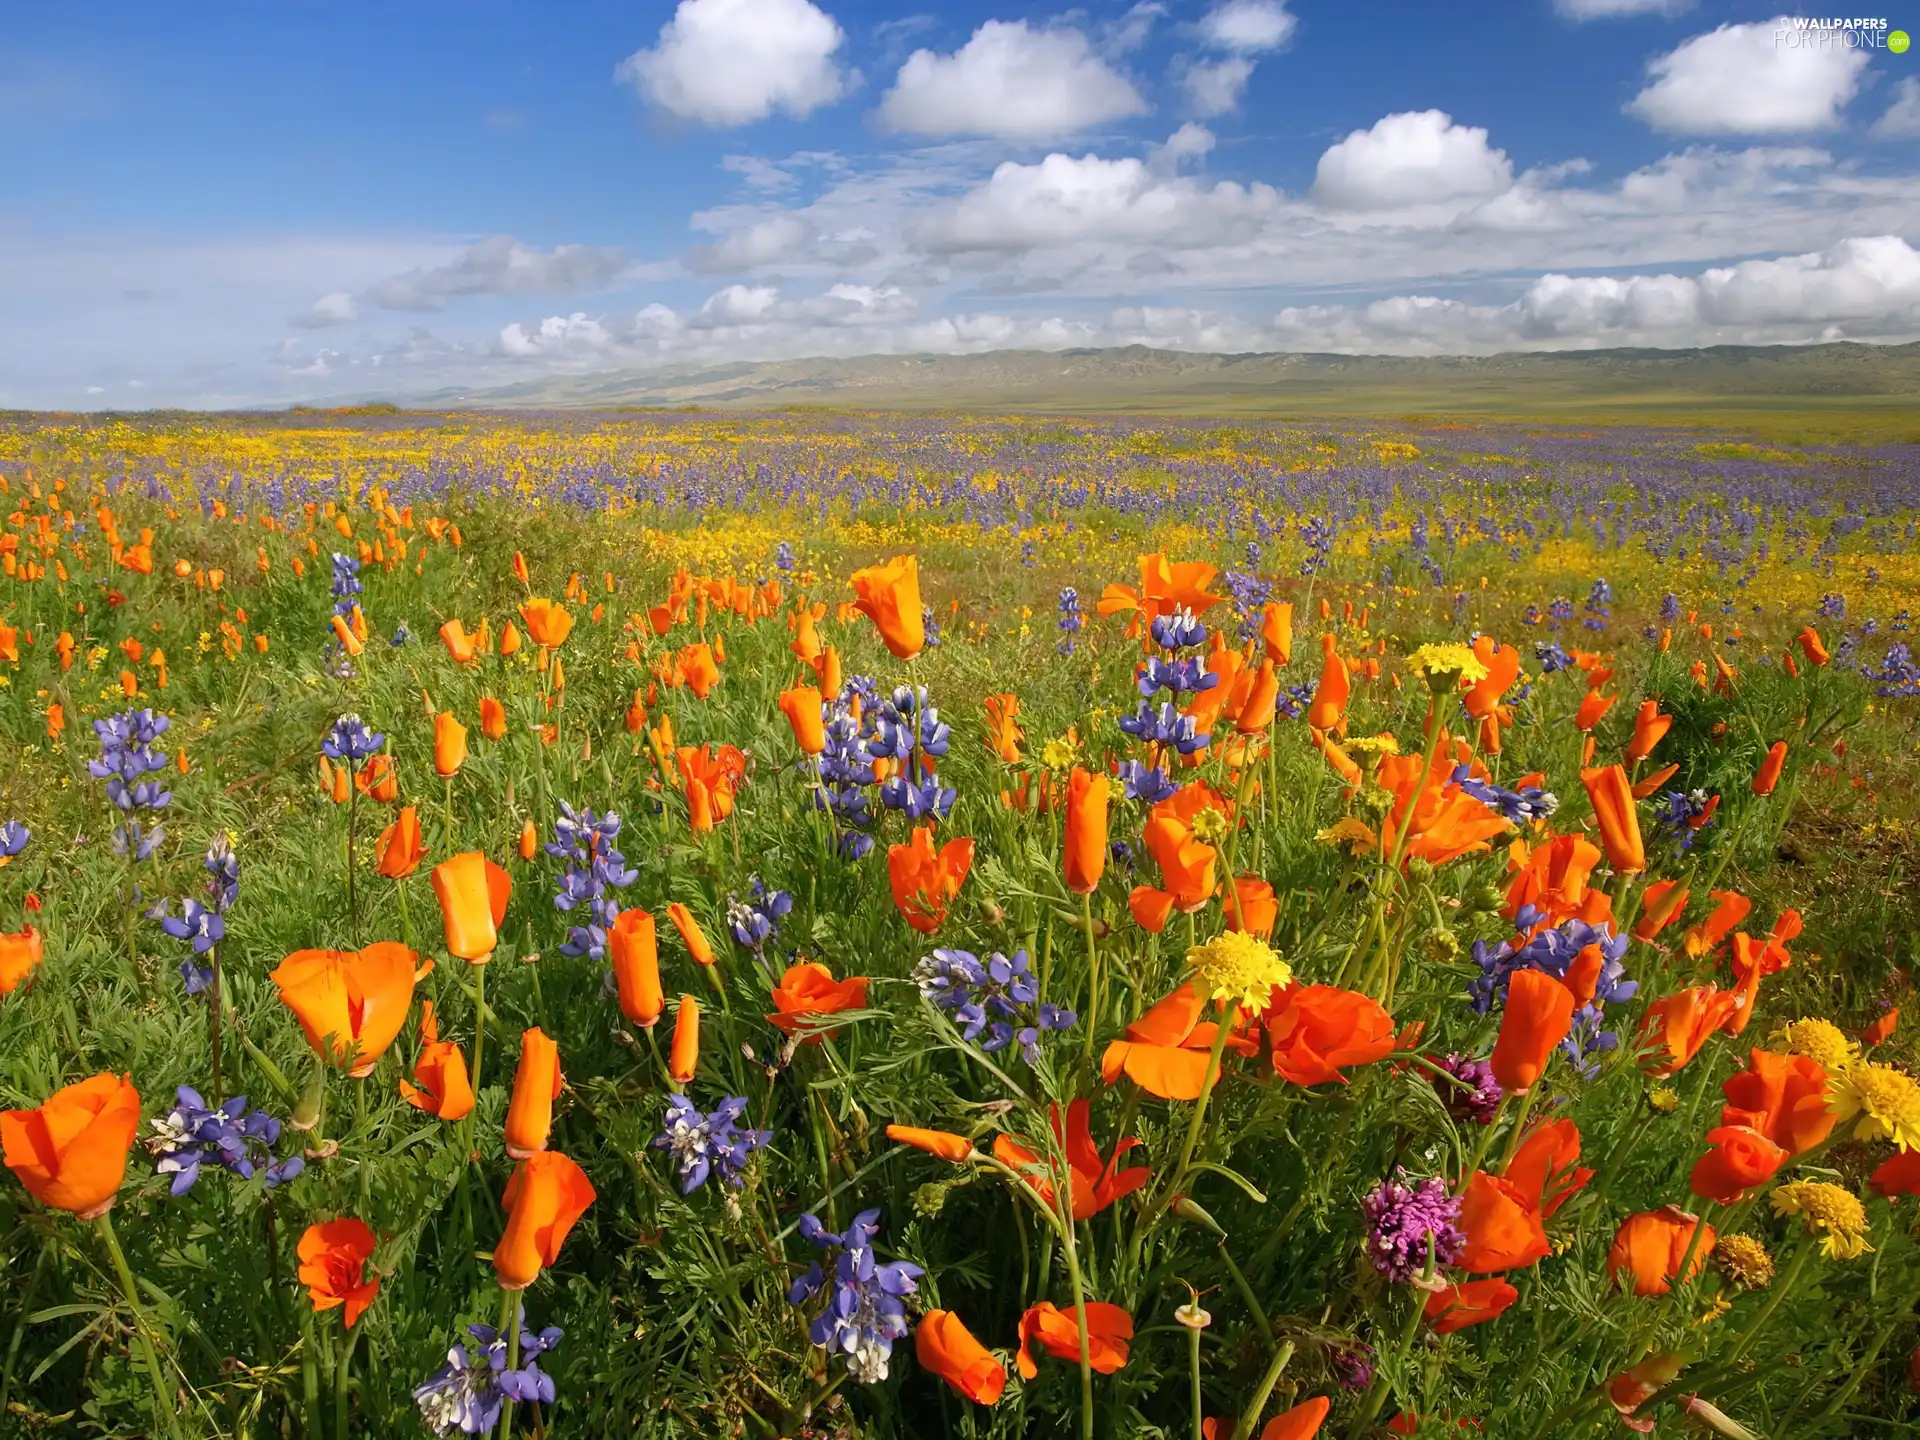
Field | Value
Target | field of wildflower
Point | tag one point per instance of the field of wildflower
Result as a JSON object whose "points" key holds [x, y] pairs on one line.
{"points": [[844, 926]]}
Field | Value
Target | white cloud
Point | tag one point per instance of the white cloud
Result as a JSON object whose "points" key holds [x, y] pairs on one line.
{"points": [[336, 307], [1416, 157], [1248, 27], [1902, 120], [500, 265], [1190, 142], [731, 62], [1012, 82], [765, 242], [1767, 78], [1215, 86], [1606, 9], [555, 333]]}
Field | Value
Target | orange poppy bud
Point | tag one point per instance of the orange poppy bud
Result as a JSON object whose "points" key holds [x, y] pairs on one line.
{"points": [[808, 990], [449, 745], [1329, 705], [1741, 1159], [684, 1058], [510, 640], [1256, 714], [941, 1144], [545, 1198], [529, 840], [1649, 1247], [333, 1264], [925, 881], [1085, 855], [1276, 631], [946, 1348], [401, 848], [343, 632], [536, 1085], [801, 705], [1649, 729], [473, 894], [635, 955], [1619, 821], [1252, 908], [1593, 705], [56, 720], [1811, 646], [890, 597], [351, 1004], [1538, 1016], [1770, 768], [1659, 908], [520, 569], [493, 718], [440, 1084], [71, 1151], [20, 955], [690, 933]]}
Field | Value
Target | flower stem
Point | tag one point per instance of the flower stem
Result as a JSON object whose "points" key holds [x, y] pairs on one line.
{"points": [[510, 1323], [479, 1051], [342, 1402], [1250, 1418], [1383, 1378], [1773, 1302], [1093, 974], [1206, 1091], [213, 1019], [142, 1331], [1193, 1365]]}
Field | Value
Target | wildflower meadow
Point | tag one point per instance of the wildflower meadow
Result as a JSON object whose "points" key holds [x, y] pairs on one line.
{"points": [[821, 925]]}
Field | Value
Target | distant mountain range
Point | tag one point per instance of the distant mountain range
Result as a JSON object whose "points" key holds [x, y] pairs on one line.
{"points": [[1137, 378]]}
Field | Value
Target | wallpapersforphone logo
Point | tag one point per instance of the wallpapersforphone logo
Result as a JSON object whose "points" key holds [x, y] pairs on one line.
{"points": [[1809, 32]]}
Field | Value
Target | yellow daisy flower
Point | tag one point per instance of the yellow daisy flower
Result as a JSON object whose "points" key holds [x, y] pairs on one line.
{"points": [[1237, 966], [1834, 1214]]}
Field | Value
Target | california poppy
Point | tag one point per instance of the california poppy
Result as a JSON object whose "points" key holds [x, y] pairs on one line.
{"points": [[537, 1083], [1471, 1302], [1730, 909], [1253, 908], [1302, 1422], [1502, 1224], [946, 1348], [1187, 863], [20, 955], [1165, 586], [1648, 1249], [1739, 1160], [473, 894], [546, 1196], [440, 1084], [1502, 663], [690, 933], [1675, 1026], [1546, 1166], [1276, 630], [890, 597], [942, 1144], [1057, 1331], [1812, 646], [1539, 1013], [460, 647], [1768, 775], [1784, 1097], [1443, 821], [683, 1059], [1085, 854], [351, 1004], [1263, 696], [71, 1150], [1553, 882], [710, 777], [1663, 903], [1327, 710], [1619, 821], [807, 991], [801, 706], [378, 779], [1168, 1049], [493, 718], [333, 1263], [1897, 1175], [632, 948], [1593, 705], [1095, 1183], [1650, 727], [400, 847], [1317, 1030], [1875, 1032], [548, 624], [925, 881]]}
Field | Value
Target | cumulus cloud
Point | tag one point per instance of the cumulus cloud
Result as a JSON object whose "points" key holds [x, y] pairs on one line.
{"points": [[1012, 82], [1606, 9], [731, 62], [1215, 86], [764, 242], [1416, 157], [336, 307], [1766, 78], [1902, 120], [1248, 26]]}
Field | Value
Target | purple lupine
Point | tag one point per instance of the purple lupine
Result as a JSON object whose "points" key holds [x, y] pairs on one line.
{"points": [[710, 1144], [866, 1309]]}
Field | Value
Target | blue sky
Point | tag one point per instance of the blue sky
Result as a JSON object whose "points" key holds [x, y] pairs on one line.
{"points": [[229, 204]]}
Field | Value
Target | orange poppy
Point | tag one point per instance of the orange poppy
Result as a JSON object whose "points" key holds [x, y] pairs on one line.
{"points": [[546, 1196], [801, 706], [683, 1059], [1649, 729], [890, 597], [548, 624], [473, 894], [1503, 669], [71, 1151], [633, 950], [1878, 1032], [1654, 780], [1546, 1166], [1619, 821], [1593, 705], [1812, 646], [1253, 908], [808, 990], [1165, 586], [946, 1348], [1740, 1159], [440, 1084], [1316, 1030], [1539, 1013], [537, 1083], [1263, 697], [1553, 878], [1328, 709], [690, 933], [710, 778], [1731, 909], [378, 779], [1167, 1050], [925, 881], [333, 1264], [1003, 731], [1472, 1302], [1784, 1097], [1897, 1175], [351, 1004], [1057, 1331], [1095, 1183], [460, 645], [1186, 862], [1768, 775], [1302, 1422], [1502, 1225], [1444, 822], [1276, 631], [529, 841], [1649, 1247], [401, 847], [20, 955], [942, 1144], [1675, 1026], [1085, 855], [1663, 903], [493, 718]]}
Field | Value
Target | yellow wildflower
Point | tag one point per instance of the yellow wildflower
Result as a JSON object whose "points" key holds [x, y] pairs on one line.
{"points": [[1745, 1260], [1666, 1099], [1210, 826], [1834, 1214], [1821, 1041], [1443, 665], [1887, 1102], [1382, 744], [1059, 754], [1239, 967], [1353, 835]]}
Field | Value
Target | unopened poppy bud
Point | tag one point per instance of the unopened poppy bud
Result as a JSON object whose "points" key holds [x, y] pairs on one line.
{"points": [[306, 1114], [1185, 1209]]}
